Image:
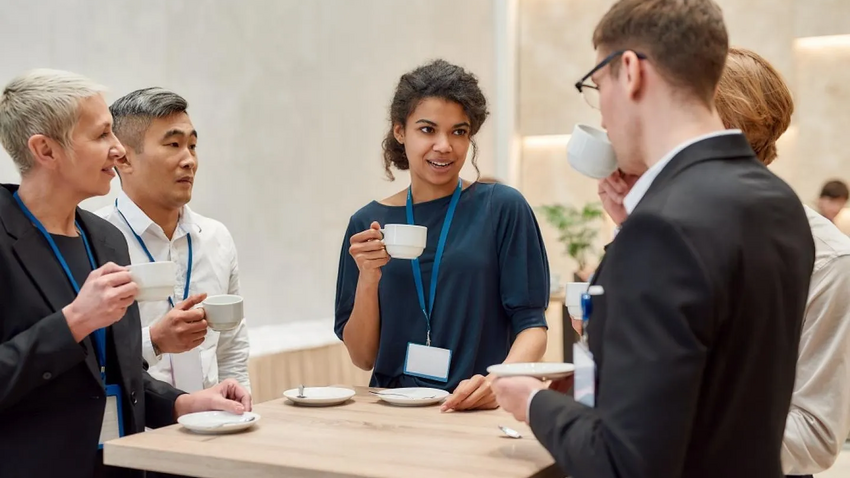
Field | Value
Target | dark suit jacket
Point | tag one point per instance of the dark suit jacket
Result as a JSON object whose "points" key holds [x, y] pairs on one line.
{"points": [[695, 337], [51, 395]]}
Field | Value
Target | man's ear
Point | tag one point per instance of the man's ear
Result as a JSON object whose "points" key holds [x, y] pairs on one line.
{"points": [[124, 164], [635, 76]]}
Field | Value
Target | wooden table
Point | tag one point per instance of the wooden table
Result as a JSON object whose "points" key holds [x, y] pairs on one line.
{"points": [[362, 438]]}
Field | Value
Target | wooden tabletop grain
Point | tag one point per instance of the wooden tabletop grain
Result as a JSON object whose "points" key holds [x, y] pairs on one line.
{"points": [[361, 438]]}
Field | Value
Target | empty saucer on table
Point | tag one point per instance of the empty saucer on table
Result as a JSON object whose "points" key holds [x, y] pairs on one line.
{"points": [[320, 396], [541, 370], [412, 397], [213, 423]]}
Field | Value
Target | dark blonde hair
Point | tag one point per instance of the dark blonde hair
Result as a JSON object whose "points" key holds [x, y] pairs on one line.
{"points": [[753, 97], [685, 40]]}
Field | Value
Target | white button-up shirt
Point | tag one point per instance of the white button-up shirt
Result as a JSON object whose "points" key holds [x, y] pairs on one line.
{"points": [[819, 419], [214, 271]]}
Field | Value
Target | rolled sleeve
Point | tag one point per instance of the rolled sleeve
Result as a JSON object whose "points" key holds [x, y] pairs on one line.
{"points": [[232, 355], [233, 349], [819, 419]]}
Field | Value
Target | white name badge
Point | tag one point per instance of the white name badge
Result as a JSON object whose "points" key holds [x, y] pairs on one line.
{"points": [[584, 388], [427, 362], [112, 426], [187, 371]]}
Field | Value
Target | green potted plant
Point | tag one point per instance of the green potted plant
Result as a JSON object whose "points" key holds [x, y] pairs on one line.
{"points": [[577, 229]]}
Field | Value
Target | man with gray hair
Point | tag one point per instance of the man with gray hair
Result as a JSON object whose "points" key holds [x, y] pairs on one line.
{"points": [[157, 174], [71, 374]]}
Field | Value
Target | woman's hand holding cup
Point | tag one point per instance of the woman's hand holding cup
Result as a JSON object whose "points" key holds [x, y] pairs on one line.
{"points": [[369, 252]]}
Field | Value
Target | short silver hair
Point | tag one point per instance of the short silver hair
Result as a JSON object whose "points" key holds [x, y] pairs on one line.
{"points": [[43, 102], [134, 112]]}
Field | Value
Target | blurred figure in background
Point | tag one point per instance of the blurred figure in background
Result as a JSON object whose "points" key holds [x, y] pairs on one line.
{"points": [[833, 198]]}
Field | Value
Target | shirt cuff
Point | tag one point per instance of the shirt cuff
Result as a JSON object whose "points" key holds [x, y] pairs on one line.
{"points": [[147, 348], [528, 406]]}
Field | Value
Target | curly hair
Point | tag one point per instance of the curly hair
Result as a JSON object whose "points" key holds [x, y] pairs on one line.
{"points": [[438, 79]]}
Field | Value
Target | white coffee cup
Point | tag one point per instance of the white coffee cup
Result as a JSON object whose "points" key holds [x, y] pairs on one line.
{"points": [[155, 280], [223, 312], [573, 297], [590, 152], [404, 241]]}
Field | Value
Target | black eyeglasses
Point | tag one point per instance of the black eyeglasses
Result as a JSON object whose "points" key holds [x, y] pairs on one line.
{"points": [[590, 92]]}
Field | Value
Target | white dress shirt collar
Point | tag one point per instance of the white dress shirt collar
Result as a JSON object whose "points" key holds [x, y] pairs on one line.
{"points": [[140, 222], [642, 185]]}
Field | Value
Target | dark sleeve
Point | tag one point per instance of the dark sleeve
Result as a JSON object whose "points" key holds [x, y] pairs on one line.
{"points": [[523, 265], [346, 283], [159, 401], [657, 331], [35, 356]]}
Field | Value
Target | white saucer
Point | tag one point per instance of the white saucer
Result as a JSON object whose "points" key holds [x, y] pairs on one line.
{"points": [[412, 397], [320, 396], [214, 423], [541, 370]]}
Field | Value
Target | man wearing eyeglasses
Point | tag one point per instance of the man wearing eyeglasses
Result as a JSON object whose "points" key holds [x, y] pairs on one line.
{"points": [[694, 322]]}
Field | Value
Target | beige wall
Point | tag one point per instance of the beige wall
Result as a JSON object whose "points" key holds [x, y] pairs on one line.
{"points": [[555, 50], [290, 99]]}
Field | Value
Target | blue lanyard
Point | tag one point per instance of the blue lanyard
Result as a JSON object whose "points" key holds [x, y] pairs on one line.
{"points": [[150, 256], [99, 334], [441, 246], [586, 311]]}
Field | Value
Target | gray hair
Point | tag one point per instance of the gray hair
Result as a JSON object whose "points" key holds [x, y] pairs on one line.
{"points": [[134, 113], [41, 102]]}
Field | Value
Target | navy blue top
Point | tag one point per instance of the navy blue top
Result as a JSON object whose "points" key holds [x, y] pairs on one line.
{"points": [[493, 284]]}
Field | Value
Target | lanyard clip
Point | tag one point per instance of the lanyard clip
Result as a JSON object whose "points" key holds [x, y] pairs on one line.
{"points": [[586, 307], [428, 339]]}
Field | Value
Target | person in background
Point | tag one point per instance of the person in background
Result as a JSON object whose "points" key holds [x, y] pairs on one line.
{"points": [[753, 97], [71, 367], [833, 198], [157, 177], [484, 267], [688, 365]]}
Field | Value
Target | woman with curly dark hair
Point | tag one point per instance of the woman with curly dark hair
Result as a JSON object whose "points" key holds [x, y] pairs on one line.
{"points": [[487, 304]]}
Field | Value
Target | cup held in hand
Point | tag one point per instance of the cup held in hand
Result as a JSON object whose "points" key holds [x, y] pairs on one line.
{"points": [[590, 152], [155, 280], [403, 241], [573, 294], [223, 312]]}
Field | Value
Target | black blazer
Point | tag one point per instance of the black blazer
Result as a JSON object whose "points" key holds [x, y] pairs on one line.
{"points": [[51, 396], [695, 337]]}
